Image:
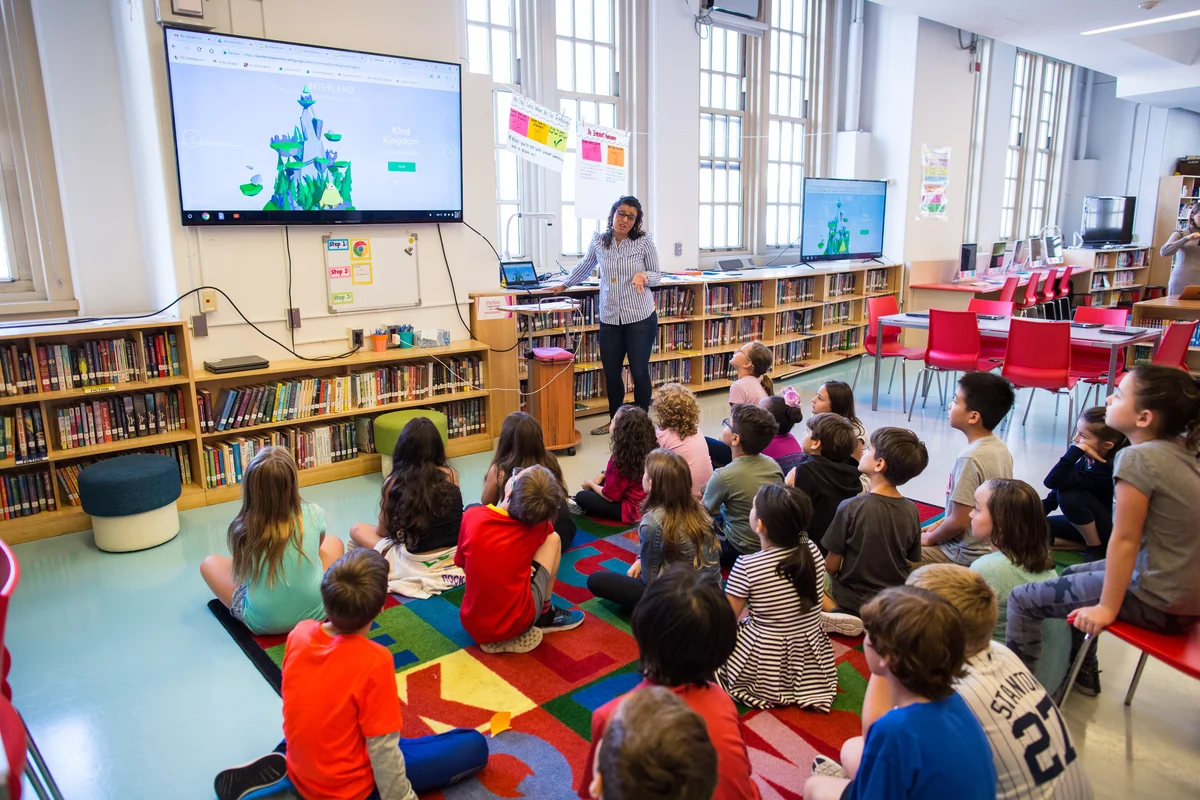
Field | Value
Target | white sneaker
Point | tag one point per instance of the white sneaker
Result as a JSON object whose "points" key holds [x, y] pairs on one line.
{"points": [[827, 766], [518, 644], [841, 624]]}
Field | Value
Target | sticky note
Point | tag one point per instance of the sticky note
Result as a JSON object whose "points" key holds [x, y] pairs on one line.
{"points": [[538, 131], [518, 123], [616, 156], [590, 151], [501, 721], [362, 273], [557, 139]]}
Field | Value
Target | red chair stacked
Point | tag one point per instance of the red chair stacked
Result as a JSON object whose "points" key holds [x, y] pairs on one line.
{"points": [[1181, 651], [1009, 293], [877, 308], [1173, 349], [1062, 305], [1031, 299], [953, 347], [1039, 357], [991, 348]]}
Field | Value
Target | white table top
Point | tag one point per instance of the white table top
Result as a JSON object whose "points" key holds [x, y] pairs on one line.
{"points": [[999, 328]]}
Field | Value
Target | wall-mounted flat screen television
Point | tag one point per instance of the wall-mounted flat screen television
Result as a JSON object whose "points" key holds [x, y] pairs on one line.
{"points": [[842, 219], [270, 132], [1107, 220]]}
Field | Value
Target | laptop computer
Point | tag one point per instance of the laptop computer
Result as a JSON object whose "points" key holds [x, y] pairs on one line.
{"points": [[519, 274]]}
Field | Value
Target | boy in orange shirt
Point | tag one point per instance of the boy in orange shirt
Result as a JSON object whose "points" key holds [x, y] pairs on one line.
{"points": [[341, 711]]}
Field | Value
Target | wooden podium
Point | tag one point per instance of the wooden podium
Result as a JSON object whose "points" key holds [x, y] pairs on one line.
{"points": [[551, 398]]}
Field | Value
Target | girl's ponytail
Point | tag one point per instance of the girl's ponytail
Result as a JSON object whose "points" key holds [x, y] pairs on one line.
{"points": [[1173, 396], [761, 358], [786, 512]]}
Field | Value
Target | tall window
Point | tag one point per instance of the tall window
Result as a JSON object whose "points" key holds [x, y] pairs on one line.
{"points": [[787, 116], [585, 58], [492, 50], [722, 108], [1033, 166]]}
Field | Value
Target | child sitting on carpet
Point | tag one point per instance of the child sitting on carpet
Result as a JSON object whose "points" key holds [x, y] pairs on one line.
{"points": [[731, 489], [788, 413], [1008, 513], [783, 657], [685, 629], [929, 744], [618, 493], [654, 746], [510, 553], [675, 528], [419, 516], [521, 445], [827, 474], [341, 713], [750, 364], [677, 416], [1081, 486], [279, 550]]}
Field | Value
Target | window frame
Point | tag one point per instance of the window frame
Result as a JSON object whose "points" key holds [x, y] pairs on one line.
{"points": [[737, 111], [34, 233]]}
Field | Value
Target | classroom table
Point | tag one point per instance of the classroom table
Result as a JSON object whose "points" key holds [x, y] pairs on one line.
{"points": [[998, 328]]}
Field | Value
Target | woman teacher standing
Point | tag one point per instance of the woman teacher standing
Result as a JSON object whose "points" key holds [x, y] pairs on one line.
{"points": [[1185, 246], [628, 263]]}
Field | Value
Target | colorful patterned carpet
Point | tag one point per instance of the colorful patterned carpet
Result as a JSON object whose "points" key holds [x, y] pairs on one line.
{"points": [[445, 681]]}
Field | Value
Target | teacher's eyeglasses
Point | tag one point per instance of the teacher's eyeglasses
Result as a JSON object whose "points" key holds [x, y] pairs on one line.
{"points": [[623, 215]]}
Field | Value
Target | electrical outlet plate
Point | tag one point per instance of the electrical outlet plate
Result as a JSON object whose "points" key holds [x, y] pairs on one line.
{"points": [[208, 300], [293, 318], [199, 326], [188, 8], [354, 337]]}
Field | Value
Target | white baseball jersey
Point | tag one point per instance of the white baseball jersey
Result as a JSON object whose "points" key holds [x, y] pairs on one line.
{"points": [[1031, 746]]}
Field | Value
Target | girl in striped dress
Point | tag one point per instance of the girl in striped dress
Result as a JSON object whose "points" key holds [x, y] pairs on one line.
{"points": [[783, 657]]}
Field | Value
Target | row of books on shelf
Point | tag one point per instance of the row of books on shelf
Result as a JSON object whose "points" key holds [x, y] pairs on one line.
{"points": [[23, 494], [796, 290], [733, 297], [717, 367], [876, 280], [674, 301], [22, 435], [465, 417], [837, 312], [117, 418], [733, 330], [793, 352], [94, 362], [1113, 280], [1122, 259], [541, 322], [589, 384], [311, 446], [662, 372], [17, 375], [673, 337], [791, 322], [842, 340], [282, 401], [68, 474], [841, 283]]}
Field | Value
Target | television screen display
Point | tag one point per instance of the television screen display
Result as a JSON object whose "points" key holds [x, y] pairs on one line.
{"points": [[281, 133], [1107, 220], [842, 219]]}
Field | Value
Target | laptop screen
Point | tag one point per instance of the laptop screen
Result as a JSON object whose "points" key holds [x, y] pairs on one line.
{"points": [[519, 273]]}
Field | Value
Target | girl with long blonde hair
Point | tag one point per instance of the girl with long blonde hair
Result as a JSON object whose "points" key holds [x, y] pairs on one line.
{"points": [[278, 547]]}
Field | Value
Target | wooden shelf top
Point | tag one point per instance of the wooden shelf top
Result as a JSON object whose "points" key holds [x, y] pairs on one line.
{"points": [[138, 443], [367, 358], [87, 330], [128, 387]]}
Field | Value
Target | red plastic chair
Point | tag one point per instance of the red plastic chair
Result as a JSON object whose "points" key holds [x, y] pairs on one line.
{"points": [[878, 307], [1039, 357], [1063, 303], [1090, 364], [1173, 349], [1181, 652], [1048, 296], [1009, 293], [991, 348], [1030, 299], [953, 347], [10, 576]]}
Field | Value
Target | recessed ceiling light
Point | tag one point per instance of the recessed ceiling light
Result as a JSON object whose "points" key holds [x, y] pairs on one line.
{"points": [[1140, 23]]}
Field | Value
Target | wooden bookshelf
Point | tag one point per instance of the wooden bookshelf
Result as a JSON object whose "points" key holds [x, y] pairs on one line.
{"points": [[1118, 276], [1160, 313], [185, 381], [1176, 195], [755, 304]]}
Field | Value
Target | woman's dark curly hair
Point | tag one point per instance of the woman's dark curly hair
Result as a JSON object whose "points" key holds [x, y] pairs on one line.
{"points": [[633, 437], [418, 488], [636, 232]]}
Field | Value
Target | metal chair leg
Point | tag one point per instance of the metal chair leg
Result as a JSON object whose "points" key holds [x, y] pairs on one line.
{"points": [[892, 380], [903, 383], [1070, 417], [1027, 405], [36, 768], [854, 383], [1074, 671], [916, 390], [1137, 676], [1057, 397]]}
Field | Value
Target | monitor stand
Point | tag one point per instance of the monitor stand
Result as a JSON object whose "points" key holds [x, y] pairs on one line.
{"points": [[873, 260]]}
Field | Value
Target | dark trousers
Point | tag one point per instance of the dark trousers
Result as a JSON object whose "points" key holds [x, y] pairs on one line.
{"points": [[635, 340], [564, 526], [597, 505], [1080, 508], [620, 589], [719, 453]]}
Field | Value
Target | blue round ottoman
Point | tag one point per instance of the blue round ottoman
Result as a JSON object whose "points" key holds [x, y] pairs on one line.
{"points": [[131, 500]]}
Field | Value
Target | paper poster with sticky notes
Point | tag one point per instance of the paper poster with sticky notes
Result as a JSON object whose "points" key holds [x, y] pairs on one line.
{"points": [[601, 174], [376, 272], [537, 133], [935, 181]]}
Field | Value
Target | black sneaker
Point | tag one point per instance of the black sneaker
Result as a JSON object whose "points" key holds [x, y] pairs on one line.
{"points": [[237, 782], [559, 619], [1087, 682]]}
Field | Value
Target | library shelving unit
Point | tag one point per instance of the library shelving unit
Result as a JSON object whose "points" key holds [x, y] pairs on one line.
{"points": [[1118, 276], [1176, 196], [74, 394], [1160, 313], [810, 317]]}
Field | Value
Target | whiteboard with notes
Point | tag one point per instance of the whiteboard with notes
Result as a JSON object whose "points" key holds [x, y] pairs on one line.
{"points": [[364, 273]]}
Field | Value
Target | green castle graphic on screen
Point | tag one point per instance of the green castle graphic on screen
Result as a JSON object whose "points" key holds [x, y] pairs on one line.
{"points": [[308, 177], [837, 241]]}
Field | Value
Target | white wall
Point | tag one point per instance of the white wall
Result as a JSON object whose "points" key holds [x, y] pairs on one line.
{"points": [[995, 143]]}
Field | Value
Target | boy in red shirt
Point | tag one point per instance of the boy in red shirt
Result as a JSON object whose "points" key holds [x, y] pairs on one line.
{"points": [[341, 711], [685, 629], [510, 553]]}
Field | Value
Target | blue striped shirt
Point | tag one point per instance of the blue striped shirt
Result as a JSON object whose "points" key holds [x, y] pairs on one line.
{"points": [[620, 302]]}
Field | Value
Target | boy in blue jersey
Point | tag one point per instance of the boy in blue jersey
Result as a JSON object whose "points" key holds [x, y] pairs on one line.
{"points": [[916, 641]]}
